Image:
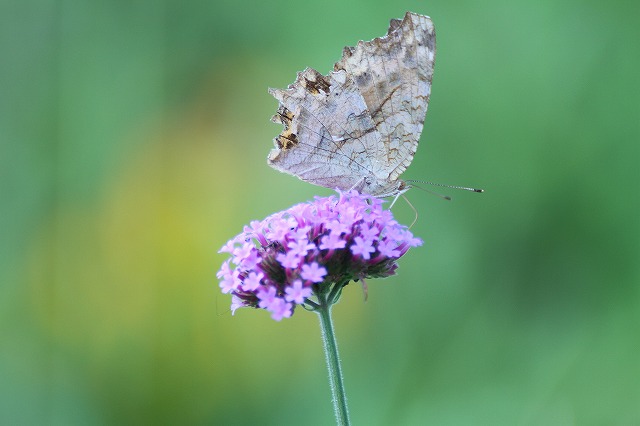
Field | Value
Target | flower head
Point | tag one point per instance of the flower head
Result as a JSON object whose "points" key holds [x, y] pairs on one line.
{"points": [[279, 262]]}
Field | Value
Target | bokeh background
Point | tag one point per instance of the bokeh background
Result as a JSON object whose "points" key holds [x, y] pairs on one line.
{"points": [[133, 143]]}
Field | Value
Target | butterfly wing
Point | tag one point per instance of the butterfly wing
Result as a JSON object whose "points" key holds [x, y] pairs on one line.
{"points": [[394, 74], [363, 120], [328, 132]]}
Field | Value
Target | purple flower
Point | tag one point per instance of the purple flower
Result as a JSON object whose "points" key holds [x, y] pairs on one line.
{"points": [[280, 309], [362, 247], [266, 295], [287, 258], [243, 252], [252, 281], [297, 292], [369, 233], [313, 272], [301, 247], [228, 278], [388, 248], [332, 241]]}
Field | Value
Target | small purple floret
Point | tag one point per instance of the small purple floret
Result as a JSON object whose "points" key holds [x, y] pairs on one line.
{"points": [[297, 292], [313, 272]]}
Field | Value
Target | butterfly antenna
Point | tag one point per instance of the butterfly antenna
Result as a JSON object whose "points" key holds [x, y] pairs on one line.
{"points": [[464, 188], [437, 194]]}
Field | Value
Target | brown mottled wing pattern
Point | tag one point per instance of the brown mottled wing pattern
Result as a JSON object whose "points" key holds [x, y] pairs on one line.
{"points": [[363, 120], [328, 131]]}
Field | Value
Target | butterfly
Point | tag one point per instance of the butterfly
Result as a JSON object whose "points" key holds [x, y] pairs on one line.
{"points": [[358, 127]]}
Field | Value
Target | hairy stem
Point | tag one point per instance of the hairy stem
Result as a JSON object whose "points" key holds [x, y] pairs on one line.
{"points": [[333, 360]]}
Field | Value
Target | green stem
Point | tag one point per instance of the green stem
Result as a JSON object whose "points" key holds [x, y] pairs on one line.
{"points": [[333, 360]]}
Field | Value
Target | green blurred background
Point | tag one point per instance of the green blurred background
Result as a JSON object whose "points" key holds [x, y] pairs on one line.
{"points": [[133, 142]]}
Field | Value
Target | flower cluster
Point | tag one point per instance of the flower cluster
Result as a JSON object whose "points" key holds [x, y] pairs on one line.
{"points": [[277, 263]]}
